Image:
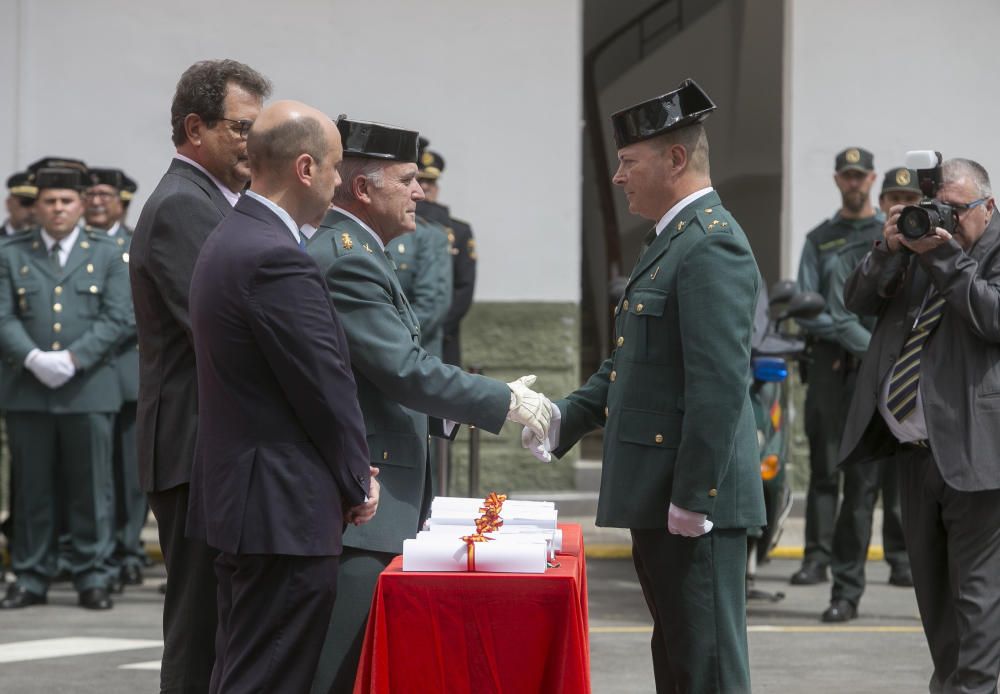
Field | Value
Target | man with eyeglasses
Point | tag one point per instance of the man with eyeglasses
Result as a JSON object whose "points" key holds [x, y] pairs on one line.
{"points": [[105, 204], [832, 368], [215, 103], [929, 396]]}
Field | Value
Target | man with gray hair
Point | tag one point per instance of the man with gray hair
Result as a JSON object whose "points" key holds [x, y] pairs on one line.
{"points": [[927, 397], [399, 383]]}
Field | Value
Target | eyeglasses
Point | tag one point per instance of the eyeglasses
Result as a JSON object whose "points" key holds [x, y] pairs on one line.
{"points": [[239, 127], [960, 207], [102, 194]]}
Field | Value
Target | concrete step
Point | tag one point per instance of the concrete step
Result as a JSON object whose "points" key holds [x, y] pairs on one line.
{"points": [[587, 475]]}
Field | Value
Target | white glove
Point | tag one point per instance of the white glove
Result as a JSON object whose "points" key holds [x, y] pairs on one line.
{"points": [[687, 523], [529, 408], [51, 368], [539, 448]]}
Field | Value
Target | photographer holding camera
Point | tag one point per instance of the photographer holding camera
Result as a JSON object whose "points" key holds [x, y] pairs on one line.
{"points": [[928, 394]]}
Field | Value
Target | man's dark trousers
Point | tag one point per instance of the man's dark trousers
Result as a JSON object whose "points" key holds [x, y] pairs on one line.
{"points": [[953, 539], [276, 635], [853, 531], [694, 590], [190, 581]]}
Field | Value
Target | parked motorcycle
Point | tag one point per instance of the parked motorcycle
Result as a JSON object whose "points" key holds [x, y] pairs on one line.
{"points": [[771, 351]]}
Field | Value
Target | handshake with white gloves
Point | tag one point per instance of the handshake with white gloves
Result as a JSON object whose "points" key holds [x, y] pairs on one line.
{"points": [[531, 409], [53, 369]]}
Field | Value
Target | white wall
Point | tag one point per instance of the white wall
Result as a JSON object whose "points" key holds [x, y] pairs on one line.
{"points": [[495, 86], [890, 76]]}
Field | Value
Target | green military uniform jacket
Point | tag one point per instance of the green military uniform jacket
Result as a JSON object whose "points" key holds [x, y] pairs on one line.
{"points": [[127, 352], [834, 242], [83, 308], [397, 379], [674, 397], [423, 266]]}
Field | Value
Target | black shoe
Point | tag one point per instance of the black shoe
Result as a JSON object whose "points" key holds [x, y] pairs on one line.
{"points": [[163, 588], [95, 599], [131, 575], [839, 611], [901, 576], [809, 575], [19, 596]]}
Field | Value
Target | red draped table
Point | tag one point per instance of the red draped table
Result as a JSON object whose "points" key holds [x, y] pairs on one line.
{"points": [[488, 633]]}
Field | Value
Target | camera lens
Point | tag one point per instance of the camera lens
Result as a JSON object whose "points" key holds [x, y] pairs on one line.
{"points": [[914, 222]]}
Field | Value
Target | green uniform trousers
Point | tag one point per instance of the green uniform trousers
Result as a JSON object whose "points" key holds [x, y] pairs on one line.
{"points": [[130, 500], [51, 453], [696, 593], [356, 577]]}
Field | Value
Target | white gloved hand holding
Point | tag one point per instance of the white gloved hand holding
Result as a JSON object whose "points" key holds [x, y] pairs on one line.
{"points": [[529, 408], [49, 367], [537, 447], [65, 364], [687, 523]]}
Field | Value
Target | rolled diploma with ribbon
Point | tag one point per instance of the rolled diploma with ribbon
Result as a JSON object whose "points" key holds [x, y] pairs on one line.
{"points": [[543, 518], [552, 537], [454, 554]]}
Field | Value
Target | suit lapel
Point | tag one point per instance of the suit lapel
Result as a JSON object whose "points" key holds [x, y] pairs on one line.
{"points": [[198, 177]]}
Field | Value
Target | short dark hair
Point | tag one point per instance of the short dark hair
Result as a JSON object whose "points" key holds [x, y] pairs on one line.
{"points": [[202, 90], [286, 141]]}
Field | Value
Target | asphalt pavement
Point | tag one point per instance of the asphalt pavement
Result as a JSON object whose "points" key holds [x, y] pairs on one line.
{"points": [[61, 647]]}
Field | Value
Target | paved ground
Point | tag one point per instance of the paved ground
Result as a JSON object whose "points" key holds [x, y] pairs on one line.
{"points": [[791, 651]]}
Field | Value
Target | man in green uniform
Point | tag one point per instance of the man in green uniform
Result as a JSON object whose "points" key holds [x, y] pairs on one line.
{"points": [[399, 383], [20, 202], [462, 247], [852, 532], [681, 465], [832, 370], [106, 202], [423, 266], [63, 309]]}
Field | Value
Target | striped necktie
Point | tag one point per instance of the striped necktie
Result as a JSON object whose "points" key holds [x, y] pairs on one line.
{"points": [[902, 400]]}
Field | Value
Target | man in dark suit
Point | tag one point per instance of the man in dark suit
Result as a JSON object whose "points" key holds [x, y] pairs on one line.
{"points": [[927, 395], [214, 105], [681, 463], [281, 460], [399, 384]]}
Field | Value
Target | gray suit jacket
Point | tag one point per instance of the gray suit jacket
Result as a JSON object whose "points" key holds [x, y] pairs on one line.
{"points": [[960, 363], [172, 227]]}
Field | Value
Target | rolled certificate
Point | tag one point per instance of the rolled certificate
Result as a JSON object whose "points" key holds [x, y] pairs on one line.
{"points": [[542, 517], [529, 532], [433, 554]]}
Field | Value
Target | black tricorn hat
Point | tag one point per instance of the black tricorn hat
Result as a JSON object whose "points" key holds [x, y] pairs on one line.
{"points": [[19, 185], [377, 141], [116, 178], [56, 163], [686, 105], [61, 177]]}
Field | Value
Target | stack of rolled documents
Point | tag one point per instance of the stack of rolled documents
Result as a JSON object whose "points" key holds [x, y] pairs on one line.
{"points": [[452, 541]]}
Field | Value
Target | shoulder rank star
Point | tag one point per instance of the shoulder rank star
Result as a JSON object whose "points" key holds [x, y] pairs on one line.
{"points": [[346, 242]]}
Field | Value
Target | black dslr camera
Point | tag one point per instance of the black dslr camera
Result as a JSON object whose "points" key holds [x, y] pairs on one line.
{"points": [[917, 221]]}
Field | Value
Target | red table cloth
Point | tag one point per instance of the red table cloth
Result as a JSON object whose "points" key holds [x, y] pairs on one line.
{"points": [[488, 633]]}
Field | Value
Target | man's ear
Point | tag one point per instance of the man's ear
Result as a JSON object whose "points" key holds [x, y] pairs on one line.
{"points": [[194, 128], [678, 158], [360, 186]]}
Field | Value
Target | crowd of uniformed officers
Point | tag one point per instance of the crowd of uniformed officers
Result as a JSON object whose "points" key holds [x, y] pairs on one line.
{"points": [[69, 366]]}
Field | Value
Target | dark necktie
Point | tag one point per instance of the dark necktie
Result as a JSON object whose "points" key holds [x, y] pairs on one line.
{"points": [[902, 400], [302, 242], [54, 257]]}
